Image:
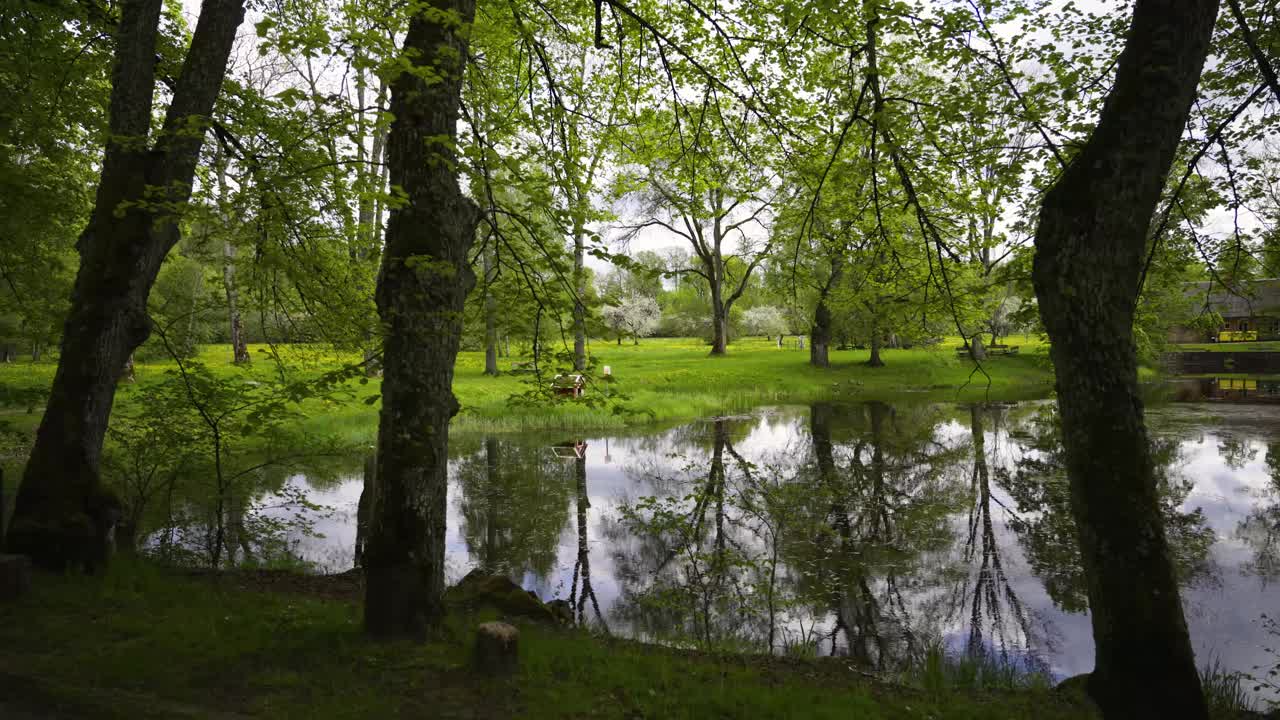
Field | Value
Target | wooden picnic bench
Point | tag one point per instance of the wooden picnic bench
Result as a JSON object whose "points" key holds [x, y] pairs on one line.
{"points": [[998, 349], [570, 385]]}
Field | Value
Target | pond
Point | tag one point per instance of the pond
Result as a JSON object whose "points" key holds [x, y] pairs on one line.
{"points": [[869, 529]]}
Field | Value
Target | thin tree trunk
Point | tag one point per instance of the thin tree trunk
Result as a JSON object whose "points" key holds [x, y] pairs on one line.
{"points": [[1090, 249], [421, 304], [64, 516], [580, 292], [239, 349], [490, 319]]}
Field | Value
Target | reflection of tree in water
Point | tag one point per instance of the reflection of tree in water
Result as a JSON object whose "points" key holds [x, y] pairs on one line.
{"points": [[881, 509], [1038, 485], [581, 591], [998, 621], [685, 561], [1236, 451], [514, 500], [1260, 530]]}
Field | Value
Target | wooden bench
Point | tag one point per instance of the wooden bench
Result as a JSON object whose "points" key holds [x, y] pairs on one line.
{"points": [[991, 350]]}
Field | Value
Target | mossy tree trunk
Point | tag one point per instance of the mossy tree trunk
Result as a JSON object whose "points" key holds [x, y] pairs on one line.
{"points": [[820, 335], [1090, 248], [424, 280], [63, 515]]}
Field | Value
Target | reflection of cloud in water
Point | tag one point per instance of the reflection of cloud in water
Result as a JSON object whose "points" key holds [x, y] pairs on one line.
{"points": [[1222, 607]]}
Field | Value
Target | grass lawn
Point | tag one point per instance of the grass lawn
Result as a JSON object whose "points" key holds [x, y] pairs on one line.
{"points": [[664, 380], [142, 643]]}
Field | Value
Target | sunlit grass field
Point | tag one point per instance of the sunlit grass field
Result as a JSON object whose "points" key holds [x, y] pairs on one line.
{"points": [[661, 379]]}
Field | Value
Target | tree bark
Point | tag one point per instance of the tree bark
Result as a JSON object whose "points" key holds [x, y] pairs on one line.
{"points": [[875, 361], [424, 281], [490, 319], [820, 336], [63, 515], [719, 317], [1090, 250], [239, 349], [579, 294]]}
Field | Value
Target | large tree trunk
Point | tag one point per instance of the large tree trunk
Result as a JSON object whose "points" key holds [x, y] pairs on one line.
{"points": [[820, 335], [875, 361], [719, 318], [63, 515], [1090, 248], [424, 280]]}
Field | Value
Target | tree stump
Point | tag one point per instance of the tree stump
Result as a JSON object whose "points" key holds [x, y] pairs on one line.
{"points": [[15, 576], [497, 649]]}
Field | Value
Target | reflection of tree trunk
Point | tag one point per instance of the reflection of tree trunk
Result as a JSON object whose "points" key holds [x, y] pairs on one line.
{"points": [[584, 555], [237, 533], [490, 553], [421, 305], [856, 608], [991, 586], [1090, 250], [881, 527], [367, 493]]}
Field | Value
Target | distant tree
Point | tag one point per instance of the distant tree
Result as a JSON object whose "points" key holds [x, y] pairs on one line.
{"points": [[633, 314], [765, 320]]}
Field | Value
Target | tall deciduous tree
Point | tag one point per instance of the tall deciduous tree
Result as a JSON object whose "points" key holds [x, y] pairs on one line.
{"points": [[1090, 247], [63, 515], [424, 281]]}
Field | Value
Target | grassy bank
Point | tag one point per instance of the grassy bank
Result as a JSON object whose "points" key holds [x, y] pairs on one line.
{"points": [[141, 643], [664, 379]]}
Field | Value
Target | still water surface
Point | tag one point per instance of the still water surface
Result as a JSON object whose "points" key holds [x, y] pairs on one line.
{"points": [[869, 529]]}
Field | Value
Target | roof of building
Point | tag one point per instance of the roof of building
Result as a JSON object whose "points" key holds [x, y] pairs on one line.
{"points": [[1246, 299]]}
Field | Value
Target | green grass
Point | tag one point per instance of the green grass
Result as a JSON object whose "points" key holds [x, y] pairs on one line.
{"points": [[141, 643], [665, 380]]}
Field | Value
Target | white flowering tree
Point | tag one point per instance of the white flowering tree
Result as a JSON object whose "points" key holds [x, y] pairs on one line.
{"points": [[633, 314], [765, 320]]}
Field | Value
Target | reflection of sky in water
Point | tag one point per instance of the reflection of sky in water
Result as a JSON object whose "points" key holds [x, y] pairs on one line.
{"points": [[1222, 609]]}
